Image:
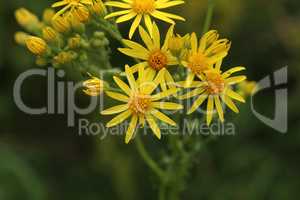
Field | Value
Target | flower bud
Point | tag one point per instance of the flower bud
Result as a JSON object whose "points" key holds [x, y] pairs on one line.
{"points": [[74, 42], [81, 14], [64, 57], [246, 88], [99, 8], [21, 37], [48, 15], [49, 34], [93, 86], [27, 20], [36, 45], [40, 61], [61, 24]]}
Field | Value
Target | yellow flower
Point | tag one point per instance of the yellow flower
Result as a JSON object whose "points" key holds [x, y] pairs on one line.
{"points": [[49, 34], [215, 86], [203, 56], [156, 57], [74, 42], [141, 103], [61, 24], [94, 86], [36, 45], [64, 57], [146, 9], [70, 5]]}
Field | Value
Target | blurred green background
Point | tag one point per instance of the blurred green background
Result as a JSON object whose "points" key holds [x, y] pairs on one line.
{"points": [[42, 159]]}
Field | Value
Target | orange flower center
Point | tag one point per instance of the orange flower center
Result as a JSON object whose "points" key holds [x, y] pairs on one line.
{"points": [[198, 63], [143, 6], [139, 103], [215, 83], [157, 60]]}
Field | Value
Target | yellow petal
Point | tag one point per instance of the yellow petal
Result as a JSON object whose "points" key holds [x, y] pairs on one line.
{"points": [[159, 115], [197, 103], [119, 119], [122, 85], [154, 127], [115, 109], [210, 109], [219, 108], [167, 105], [117, 96], [131, 129]]}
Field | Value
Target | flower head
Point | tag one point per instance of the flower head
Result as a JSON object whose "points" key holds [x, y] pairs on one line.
{"points": [[146, 9], [205, 54], [70, 5], [36, 45], [215, 86], [156, 57], [140, 102], [49, 34], [27, 19], [61, 24], [21, 37]]}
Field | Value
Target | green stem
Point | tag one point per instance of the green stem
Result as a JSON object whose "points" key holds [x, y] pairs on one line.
{"points": [[147, 159], [209, 15]]}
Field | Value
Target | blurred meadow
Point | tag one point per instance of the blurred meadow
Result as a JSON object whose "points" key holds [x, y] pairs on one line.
{"points": [[43, 159]]}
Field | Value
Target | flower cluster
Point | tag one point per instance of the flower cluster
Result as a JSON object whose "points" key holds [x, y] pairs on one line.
{"points": [[59, 39], [167, 69]]}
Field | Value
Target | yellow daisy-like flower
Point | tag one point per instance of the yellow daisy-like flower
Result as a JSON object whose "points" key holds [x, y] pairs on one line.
{"points": [[70, 5], [215, 86], [140, 103], [146, 9], [205, 54], [156, 58]]}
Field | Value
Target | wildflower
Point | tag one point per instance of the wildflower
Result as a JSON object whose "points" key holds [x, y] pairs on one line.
{"points": [[98, 8], [94, 86], [246, 88], [155, 57], [215, 86], [27, 19], [48, 15], [203, 57], [146, 9], [21, 37], [140, 104], [49, 34], [36, 45], [61, 24], [70, 5]]}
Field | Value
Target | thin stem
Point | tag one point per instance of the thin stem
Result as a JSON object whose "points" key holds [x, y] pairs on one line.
{"points": [[148, 160], [209, 15]]}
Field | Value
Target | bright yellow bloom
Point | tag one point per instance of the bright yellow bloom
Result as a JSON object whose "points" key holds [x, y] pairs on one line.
{"points": [[215, 86], [146, 9], [81, 14], [203, 56], [36, 45], [179, 45], [94, 86], [156, 57], [70, 5], [141, 103]]}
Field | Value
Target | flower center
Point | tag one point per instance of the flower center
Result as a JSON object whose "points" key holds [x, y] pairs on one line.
{"points": [[143, 6], [139, 103], [198, 63], [215, 83], [157, 60]]}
